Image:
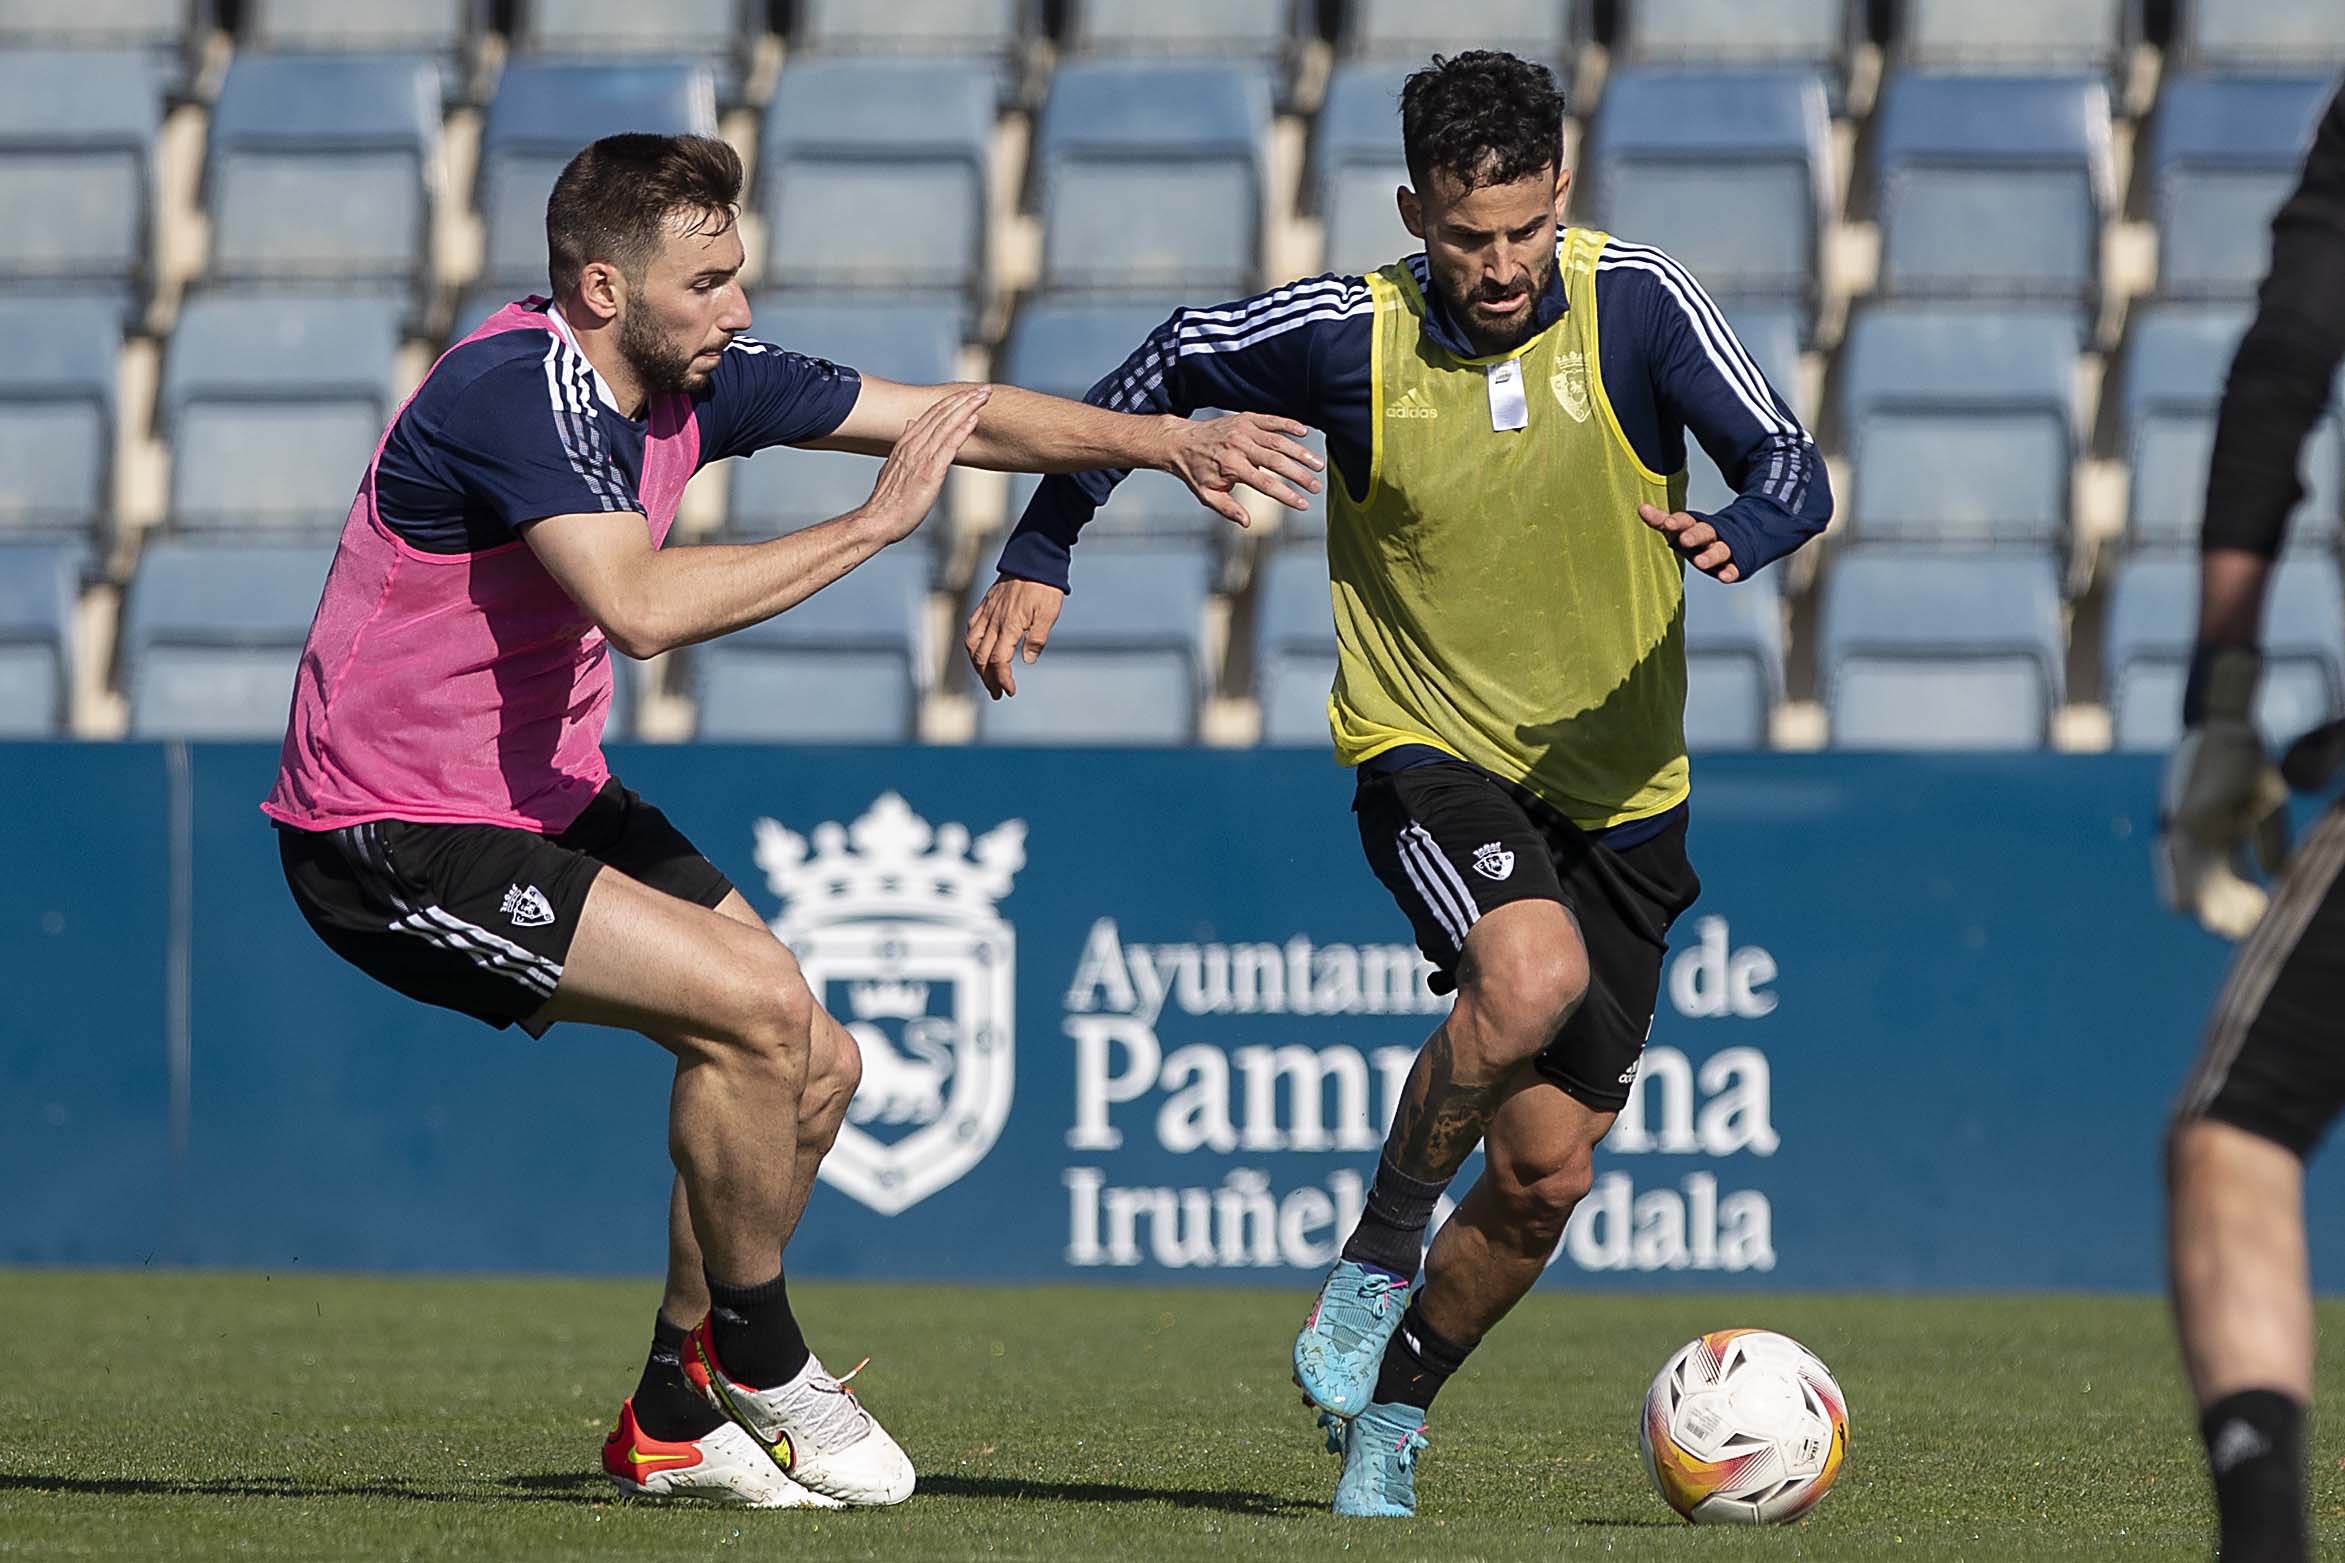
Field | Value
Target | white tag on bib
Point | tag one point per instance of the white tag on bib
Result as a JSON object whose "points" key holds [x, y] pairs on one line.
{"points": [[1508, 410]]}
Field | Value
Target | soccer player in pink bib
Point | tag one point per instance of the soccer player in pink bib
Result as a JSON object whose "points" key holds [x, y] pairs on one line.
{"points": [[446, 818]]}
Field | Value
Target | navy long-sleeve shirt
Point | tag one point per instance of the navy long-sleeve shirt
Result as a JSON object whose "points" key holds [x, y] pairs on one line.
{"points": [[1670, 364]]}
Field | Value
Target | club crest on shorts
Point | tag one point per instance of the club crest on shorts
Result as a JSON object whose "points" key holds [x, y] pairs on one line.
{"points": [[1493, 861], [1570, 385], [894, 924], [526, 906]]}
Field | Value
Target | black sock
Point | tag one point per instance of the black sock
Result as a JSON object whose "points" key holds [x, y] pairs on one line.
{"points": [[1391, 1233], [757, 1337], [666, 1405], [1417, 1362], [2255, 1448]]}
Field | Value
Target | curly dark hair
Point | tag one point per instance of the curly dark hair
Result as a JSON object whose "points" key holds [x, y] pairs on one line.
{"points": [[1483, 117]]}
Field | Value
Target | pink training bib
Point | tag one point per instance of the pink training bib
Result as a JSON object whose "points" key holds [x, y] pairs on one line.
{"points": [[459, 688]]}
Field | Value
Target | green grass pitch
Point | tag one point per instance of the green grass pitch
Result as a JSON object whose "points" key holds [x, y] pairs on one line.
{"points": [[173, 1414]]}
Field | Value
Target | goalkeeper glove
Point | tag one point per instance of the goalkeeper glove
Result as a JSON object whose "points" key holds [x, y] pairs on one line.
{"points": [[2222, 796]]}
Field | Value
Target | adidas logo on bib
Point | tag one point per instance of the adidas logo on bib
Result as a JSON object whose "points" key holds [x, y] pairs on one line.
{"points": [[527, 907], [1412, 403]]}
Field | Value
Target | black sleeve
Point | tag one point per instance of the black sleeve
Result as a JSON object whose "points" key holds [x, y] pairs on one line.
{"points": [[2281, 376]]}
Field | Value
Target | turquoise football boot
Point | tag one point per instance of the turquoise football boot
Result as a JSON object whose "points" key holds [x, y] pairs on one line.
{"points": [[1342, 1343], [1379, 1448]]}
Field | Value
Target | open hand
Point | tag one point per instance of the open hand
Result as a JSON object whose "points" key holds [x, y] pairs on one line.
{"points": [[1697, 540], [914, 473], [1216, 455]]}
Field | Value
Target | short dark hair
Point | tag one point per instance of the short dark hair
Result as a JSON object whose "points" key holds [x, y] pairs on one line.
{"points": [[615, 197], [1483, 117]]}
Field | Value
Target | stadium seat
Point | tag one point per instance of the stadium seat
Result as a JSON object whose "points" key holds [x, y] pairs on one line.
{"points": [[2175, 361], [1960, 423], [1256, 30], [1770, 333], [1809, 33], [544, 111], [1356, 165], [713, 32], [1998, 35], [40, 583], [2153, 620], [441, 28], [211, 634], [56, 411], [1294, 643], [1992, 185], [1149, 177], [1733, 659], [157, 25], [872, 175], [273, 405], [1126, 660], [2224, 153], [847, 665], [782, 490], [76, 133], [1726, 170], [1922, 650], [1535, 29], [986, 31], [2283, 36], [322, 167], [1064, 347]]}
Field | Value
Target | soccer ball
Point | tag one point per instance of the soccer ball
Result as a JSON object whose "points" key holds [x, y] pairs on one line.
{"points": [[1743, 1427]]}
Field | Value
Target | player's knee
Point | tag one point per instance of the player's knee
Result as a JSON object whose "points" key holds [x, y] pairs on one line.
{"points": [[833, 1074], [1539, 1201], [1523, 991], [773, 1014]]}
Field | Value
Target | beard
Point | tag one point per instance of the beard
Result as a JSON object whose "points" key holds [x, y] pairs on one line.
{"points": [[662, 368], [1489, 339]]}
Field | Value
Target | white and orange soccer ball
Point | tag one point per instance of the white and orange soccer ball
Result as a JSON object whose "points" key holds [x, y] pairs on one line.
{"points": [[1743, 1427]]}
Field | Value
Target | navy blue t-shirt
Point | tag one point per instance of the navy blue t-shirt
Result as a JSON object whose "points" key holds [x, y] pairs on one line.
{"points": [[517, 427]]}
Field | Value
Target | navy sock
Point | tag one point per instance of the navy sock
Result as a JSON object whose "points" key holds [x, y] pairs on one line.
{"points": [[1391, 1233], [1417, 1362], [2255, 1449], [757, 1337], [666, 1405]]}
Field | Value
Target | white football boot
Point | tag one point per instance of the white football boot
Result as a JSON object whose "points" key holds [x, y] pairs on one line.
{"points": [[816, 1430], [725, 1467]]}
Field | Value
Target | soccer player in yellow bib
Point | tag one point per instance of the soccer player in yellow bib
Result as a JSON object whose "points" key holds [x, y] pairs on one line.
{"points": [[1505, 415]]}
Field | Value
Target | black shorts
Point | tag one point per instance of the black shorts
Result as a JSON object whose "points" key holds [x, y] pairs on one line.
{"points": [[479, 918], [1453, 842], [2273, 1062]]}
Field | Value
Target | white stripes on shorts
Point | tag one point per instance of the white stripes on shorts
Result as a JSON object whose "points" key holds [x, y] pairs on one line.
{"points": [[437, 925], [1438, 883]]}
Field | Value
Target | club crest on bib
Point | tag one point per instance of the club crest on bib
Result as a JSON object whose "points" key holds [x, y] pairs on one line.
{"points": [[1493, 861], [894, 924], [1569, 382]]}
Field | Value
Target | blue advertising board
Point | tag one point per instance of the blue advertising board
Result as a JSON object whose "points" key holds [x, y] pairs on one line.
{"points": [[1124, 1014]]}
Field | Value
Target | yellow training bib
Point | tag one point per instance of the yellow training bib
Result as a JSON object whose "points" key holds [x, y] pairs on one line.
{"points": [[1496, 595]]}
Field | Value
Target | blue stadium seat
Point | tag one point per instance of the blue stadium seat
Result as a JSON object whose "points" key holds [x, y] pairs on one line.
{"points": [[2176, 358], [1960, 423], [322, 167], [714, 32], [76, 133], [1256, 30], [1810, 33], [2224, 153], [57, 411], [157, 25], [1922, 650], [39, 585], [1770, 333], [1726, 170], [1150, 177], [1126, 661], [211, 634], [273, 404], [1992, 185], [872, 175], [1539, 30], [543, 113], [2281, 36], [1995, 35], [2153, 620], [1294, 643], [914, 344], [1064, 347], [441, 28], [1356, 165], [1733, 659], [989, 31], [847, 665]]}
